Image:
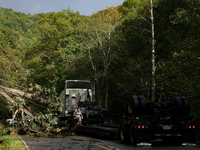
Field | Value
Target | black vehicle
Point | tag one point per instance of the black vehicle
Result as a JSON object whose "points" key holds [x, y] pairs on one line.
{"points": [[145, 121], [14, 122]]}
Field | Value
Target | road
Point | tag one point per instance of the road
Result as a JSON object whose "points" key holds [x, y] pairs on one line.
{"points": [[79, 142]]}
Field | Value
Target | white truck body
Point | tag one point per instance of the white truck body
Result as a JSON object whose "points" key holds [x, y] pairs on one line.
{"points": [[76, 91]]}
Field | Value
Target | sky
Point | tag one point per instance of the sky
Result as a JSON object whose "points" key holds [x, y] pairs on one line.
{"points": [[84, 7]]}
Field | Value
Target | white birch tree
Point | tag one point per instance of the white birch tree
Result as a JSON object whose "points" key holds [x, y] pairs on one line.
{"points": [[153, 55], [153, 70], [97, 35]]}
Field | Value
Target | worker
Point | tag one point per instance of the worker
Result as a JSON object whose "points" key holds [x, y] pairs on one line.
{"points": [[88, 101], [78, 115]]}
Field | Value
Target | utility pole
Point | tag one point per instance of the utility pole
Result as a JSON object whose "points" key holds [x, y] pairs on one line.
{"points": [[153, 55]]}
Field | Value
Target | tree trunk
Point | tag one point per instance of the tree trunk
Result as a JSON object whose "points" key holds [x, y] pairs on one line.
{"points": [[18, 93], [153, 56], [106, 103]]}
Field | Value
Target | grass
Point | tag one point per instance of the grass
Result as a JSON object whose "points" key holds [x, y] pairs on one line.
{"points": [[10, 142]]}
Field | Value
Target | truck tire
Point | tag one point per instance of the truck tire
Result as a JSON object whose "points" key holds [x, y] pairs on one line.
{"points": [[143, 103], [132, 135], [87, 119], [73, 126], [133, 105], [98, 108], [69, 126], [186, 105], [179, 104], [123, 133], [95, 108]]}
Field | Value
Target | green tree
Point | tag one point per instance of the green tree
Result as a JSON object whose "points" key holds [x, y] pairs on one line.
{"points": [[134, 55], [178, 72], [10, 59], [97, 33], [53, 56]]}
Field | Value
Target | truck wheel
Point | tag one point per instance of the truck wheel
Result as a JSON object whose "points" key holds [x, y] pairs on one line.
{"points": [[69, 126], [143, 103], [95, 108], [123, 133], [132, 136], [87, 119], [73, 126], [179, 104], [133, 105], [186, 105]]}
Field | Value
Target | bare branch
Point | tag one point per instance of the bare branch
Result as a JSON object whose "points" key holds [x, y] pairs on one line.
{"points": [[140, 28], [10, 121]]}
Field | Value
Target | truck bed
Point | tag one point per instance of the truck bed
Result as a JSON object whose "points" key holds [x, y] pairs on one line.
{"points": [[98, 130]]}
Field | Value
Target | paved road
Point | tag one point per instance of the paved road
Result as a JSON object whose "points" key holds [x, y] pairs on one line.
{"points": [[78, 142]]}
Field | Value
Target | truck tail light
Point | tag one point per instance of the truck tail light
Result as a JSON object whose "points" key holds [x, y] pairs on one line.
{"points": [[190, 127], [142, 127]]}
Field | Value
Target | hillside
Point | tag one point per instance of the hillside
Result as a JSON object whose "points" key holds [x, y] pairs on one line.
{"points": [[21, 24]]}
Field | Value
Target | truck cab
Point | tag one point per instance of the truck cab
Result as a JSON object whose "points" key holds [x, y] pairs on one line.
{"points": [[75, 94], [79, 93]]}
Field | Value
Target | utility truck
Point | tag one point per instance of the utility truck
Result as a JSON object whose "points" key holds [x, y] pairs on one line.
{"points": [[81, 93], [145, 121]]}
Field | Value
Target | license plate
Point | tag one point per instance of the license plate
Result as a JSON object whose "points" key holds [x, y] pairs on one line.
{"points": [[166, 127]]}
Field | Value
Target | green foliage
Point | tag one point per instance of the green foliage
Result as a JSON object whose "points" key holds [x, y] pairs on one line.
{"points": [[53, 48], [10, 58], [133, 62], [12, 142], [54, 55], [4, 107], [21, 24], [97, 33], [46, 115]]}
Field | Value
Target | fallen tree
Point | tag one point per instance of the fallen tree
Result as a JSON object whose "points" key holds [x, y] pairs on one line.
{"points": [[41, 106]]}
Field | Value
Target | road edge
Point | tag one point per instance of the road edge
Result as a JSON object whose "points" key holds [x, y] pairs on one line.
{"points": [[26, 146]]}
